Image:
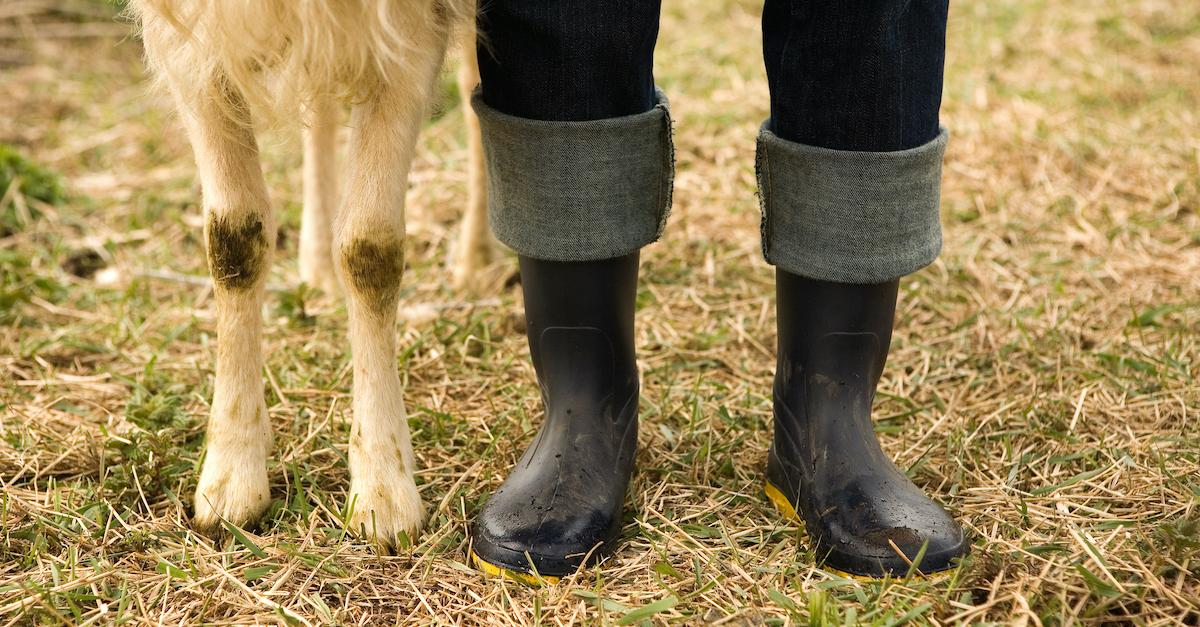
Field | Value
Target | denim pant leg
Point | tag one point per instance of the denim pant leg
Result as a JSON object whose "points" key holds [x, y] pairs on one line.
{"points": [[849, 164], [576, 137]]}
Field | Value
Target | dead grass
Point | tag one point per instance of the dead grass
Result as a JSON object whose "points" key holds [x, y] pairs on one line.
{"points": [[1043, 380]]}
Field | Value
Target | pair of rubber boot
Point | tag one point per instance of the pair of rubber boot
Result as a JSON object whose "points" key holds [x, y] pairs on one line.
{"points": [[562, 505]]}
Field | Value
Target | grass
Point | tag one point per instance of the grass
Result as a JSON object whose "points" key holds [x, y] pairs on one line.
{"points": [[1043, 378]]}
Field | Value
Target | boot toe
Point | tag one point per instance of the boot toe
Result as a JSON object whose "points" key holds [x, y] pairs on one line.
{"points": [[531, 539], [880, 550]]}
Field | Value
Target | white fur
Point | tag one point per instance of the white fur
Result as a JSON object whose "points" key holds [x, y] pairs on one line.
{"points": [[475, 247], [226, 61], [320, 196]]}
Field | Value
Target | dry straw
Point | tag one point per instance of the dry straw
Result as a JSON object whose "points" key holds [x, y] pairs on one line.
{"points": [[1043, 380]]}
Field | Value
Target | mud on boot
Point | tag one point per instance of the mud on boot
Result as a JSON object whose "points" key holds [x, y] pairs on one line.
{"points": [[562, 505], [864, 516]]}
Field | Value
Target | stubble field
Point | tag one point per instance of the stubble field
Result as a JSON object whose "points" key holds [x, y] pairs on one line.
{"points": [[1042, 382]]}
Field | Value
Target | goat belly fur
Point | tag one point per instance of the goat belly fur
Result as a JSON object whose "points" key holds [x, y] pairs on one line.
{"points": [[278, 54]]}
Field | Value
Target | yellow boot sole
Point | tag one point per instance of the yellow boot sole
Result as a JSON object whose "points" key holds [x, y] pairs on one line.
{"points": [[493, 570], [780, 501]]}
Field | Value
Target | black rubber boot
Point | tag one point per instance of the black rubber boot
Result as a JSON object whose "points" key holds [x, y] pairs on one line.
{"points": [[825, 464], [563, 502]]}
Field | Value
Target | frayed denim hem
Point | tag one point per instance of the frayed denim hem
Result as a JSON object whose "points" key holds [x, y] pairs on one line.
{"points": [[847, 216], [578, 191]]}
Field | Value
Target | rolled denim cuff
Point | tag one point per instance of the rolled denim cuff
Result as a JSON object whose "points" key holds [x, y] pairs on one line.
{"points": [[846, 216], [578, 191]]}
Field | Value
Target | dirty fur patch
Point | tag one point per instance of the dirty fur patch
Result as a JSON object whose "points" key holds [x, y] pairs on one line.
{"points": [[237, 250], [373, 270]]}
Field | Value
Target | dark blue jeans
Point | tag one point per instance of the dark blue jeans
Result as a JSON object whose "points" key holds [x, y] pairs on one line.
{"points": [[862, 75]]}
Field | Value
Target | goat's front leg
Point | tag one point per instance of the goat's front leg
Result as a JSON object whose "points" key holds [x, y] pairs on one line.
{"points": [[239, 232], [369, 244]]}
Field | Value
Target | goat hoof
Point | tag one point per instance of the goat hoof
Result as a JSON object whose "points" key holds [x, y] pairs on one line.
{"points": [[238, 494], [387, 514]]}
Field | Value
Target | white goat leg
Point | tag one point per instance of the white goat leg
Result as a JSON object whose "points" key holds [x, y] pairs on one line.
{"points": [[320, 197], [369, 239], [239, 233], [475, 247]]}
